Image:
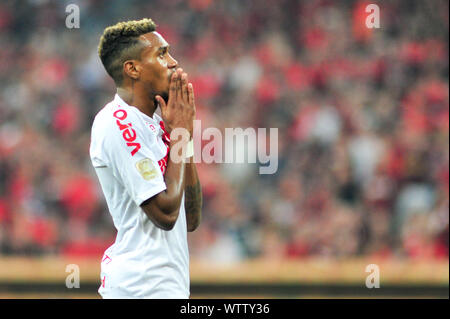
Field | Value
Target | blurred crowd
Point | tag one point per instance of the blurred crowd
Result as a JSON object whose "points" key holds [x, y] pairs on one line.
{"points": [[362, 117]]}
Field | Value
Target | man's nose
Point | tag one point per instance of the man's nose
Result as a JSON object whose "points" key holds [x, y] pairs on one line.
{"points": [[172, 63]]}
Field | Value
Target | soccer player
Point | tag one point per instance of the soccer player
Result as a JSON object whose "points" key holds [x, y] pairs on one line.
{"points": [[153, 200]]}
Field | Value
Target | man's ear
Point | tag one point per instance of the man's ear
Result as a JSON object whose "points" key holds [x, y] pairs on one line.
{"points": [[132, 69]]}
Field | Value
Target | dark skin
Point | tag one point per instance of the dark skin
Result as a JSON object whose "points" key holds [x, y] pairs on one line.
{"points": [[153, 80]]}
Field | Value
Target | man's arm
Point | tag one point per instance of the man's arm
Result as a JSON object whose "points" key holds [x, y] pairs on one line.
{"points": [[163, 209], [193, 198]]}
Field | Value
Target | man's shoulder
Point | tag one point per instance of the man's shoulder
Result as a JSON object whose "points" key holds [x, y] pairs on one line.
{"points": [[110, 116], [117, 122], [103, 115]]}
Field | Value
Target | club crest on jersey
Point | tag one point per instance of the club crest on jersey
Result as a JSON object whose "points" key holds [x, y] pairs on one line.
{"points": [[146, 168], [128, 133]]}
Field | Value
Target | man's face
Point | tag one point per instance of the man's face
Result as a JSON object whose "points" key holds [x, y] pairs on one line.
{"points": [[157, 65]]}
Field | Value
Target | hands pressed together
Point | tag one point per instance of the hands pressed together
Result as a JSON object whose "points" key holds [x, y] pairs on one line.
{"points": [[179, 112]]}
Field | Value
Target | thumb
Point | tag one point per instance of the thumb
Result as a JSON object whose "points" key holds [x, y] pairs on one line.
{"points": [[161, 102]]}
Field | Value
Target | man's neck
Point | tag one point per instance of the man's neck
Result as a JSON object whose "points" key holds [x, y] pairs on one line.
{"points": [[140, 101]]}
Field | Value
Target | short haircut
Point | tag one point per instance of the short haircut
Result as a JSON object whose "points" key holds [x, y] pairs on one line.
{"points": [[120, 43]]}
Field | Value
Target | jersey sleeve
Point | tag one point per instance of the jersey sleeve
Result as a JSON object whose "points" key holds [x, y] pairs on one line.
{"points": [[132, 162]]}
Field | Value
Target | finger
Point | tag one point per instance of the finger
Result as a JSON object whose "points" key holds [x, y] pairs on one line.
{"points": [[173, 86], [184, 89], [179, 93], [191, 94]]}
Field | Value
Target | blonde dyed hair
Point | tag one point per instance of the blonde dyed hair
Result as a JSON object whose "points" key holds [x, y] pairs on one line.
{"points": [[120, 42]]}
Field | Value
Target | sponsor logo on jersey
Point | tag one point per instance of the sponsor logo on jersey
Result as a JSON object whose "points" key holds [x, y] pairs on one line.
{"points": [[128, 133]]}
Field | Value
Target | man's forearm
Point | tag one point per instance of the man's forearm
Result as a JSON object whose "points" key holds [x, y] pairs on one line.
{"points": [[193, 198], [163, 208]]}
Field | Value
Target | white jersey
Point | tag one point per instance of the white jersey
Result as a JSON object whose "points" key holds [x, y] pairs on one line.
{"points": [[129, 152]]}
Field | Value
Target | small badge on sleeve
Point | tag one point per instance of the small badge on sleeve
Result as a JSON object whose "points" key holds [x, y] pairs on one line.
{"points": [[146, 168]]}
